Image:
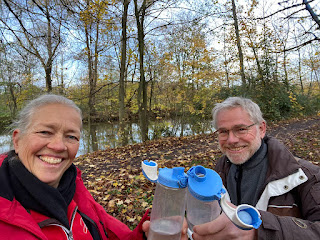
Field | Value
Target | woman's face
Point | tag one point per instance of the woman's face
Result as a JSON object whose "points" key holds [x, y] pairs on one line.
{"points": [[50, 143]]}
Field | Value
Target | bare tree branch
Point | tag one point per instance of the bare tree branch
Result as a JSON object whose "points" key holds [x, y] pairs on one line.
{"points": [[301, 45], [278, 11], [312, 13]]}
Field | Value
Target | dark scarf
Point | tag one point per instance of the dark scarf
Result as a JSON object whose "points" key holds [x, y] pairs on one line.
{"points": [[245, 181], [39, 196]]}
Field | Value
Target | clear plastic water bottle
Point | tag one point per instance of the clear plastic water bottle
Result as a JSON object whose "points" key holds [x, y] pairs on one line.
{"points": [[204, 192], [168, 206], [204, 201]]}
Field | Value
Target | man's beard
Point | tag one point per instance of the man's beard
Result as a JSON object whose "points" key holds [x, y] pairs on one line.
{"points": [[243, 157]]}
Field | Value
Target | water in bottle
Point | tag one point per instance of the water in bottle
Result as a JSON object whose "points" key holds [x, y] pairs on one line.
{"points": [[165, 229]]}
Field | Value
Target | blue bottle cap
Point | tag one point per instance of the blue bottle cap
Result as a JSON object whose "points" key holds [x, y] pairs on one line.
{"points": [[173, 177], [249, 216], [204, 184]]}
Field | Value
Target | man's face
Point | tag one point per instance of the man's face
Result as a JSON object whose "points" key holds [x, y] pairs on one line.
{"points": [[239, 149]]}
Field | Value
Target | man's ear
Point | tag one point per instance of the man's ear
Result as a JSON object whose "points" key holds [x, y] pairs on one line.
{"points": [[262, 129], [15, 139]]}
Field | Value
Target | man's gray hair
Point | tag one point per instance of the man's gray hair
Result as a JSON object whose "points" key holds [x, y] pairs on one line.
{"points": [[23, 119], [246, 104]]}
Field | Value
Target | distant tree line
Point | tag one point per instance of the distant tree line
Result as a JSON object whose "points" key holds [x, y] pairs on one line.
{"points": [[141, 60]]}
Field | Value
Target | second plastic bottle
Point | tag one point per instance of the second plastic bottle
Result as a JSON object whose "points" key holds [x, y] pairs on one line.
{"points": [[205, 189], [168, 206]]}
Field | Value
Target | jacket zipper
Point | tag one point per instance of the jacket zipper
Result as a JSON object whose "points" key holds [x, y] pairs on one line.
{"points": [[68, 232], [65, 230], [105, 232], [239, 180]]}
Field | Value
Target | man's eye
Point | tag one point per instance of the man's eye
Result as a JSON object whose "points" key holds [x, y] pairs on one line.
{"points": [[241, 130], [223, 131]]}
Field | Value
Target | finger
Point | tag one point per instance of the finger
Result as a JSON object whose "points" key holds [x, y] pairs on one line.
{"points": [[212, 227], [185, 226], [145, 227], [184, 236], [195, 236], [184, 230]]}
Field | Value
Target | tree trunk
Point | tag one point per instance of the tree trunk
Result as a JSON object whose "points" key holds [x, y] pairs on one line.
{"points": [[122, 92], [13, 98], [48, 71], [48, 67], [225, 59], [299, 68], [61, 85], [236, 27], [92, 58], [142, 92], [286, 79], [256, 57], [90, 79]]}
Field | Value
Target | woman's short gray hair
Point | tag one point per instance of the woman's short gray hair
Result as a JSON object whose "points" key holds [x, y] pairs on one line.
{"points": [[23, 119], [246, 104]]}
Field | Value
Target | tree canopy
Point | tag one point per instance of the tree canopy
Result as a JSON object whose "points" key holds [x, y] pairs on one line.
{"points": [[123, 60]]}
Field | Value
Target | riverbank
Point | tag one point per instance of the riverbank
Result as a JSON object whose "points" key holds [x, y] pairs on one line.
{"points": [[114, 177]]}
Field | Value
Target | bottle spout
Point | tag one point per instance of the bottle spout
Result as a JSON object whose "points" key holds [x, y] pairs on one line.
{"points": [[198, 173], [244, 216], [150, 170]]}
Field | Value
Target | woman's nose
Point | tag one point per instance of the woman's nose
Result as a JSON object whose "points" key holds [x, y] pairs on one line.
{"points": [[57, 143]]}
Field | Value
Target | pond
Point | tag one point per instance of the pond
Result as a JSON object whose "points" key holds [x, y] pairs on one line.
{"points": [[100, 136]]}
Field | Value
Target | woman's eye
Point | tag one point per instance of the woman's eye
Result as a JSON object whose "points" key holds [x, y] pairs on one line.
{"points": [[44, 132], [71, 137]]}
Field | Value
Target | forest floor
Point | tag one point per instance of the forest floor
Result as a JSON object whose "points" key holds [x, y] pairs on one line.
{"points": [[114, 177]]}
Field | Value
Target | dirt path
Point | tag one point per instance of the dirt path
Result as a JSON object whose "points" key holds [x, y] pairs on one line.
{"points": [[292, 127], [302, 137]]}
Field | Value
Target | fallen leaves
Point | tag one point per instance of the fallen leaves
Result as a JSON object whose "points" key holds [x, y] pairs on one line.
{"points": [[115, 180]]}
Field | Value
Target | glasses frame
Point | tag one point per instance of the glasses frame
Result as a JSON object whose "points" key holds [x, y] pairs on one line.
{"points": [[233, 131]]}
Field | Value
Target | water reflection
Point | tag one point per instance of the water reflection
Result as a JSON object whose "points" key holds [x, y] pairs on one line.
{"points": [[5, 143], [100, 136]]}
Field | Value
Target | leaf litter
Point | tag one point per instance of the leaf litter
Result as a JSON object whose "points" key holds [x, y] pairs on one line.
{"points": [[115, 180]]}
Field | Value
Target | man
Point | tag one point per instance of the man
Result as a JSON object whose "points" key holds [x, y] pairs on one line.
{"points": [[260, 171]]}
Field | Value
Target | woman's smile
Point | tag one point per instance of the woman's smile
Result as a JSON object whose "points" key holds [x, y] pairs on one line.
{"points": [[50, 160], [51, 143]]}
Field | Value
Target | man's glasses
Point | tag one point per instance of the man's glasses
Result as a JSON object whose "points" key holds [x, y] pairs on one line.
{"points": [[239, 132]]}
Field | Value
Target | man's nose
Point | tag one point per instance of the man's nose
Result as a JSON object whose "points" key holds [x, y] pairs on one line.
{"points": [[232, 137]]}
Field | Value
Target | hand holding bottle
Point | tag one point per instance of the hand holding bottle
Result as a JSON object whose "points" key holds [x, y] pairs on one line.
{"points": [[221, 228]]}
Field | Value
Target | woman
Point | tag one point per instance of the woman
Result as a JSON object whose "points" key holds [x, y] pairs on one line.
{"points": [[42, 195]]}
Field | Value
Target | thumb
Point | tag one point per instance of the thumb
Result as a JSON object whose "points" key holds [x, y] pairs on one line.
{"points": [[146, 227]]}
